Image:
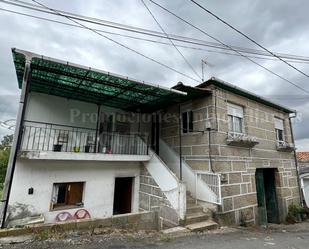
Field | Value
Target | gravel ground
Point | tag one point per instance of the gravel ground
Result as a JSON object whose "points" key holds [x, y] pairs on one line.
{"points": [[276, 236]]}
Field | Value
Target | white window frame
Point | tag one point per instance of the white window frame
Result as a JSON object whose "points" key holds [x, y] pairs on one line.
{"points": [[235, 112], [279, 126]]}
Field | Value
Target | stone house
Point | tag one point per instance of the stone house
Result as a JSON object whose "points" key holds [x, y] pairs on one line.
{"points": [[249, 142], [92, 144]]}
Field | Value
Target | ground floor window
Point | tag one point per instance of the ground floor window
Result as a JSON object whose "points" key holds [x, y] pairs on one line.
{"points": [[67, 194]]}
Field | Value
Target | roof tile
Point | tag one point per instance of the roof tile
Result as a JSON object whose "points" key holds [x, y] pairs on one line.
{"points": [[303, 156]]}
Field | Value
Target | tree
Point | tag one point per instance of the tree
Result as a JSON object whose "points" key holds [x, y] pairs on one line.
{"points": [[6, 142], [5, 149]]}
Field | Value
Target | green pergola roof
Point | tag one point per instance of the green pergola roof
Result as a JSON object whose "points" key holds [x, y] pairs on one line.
{"points": [[64, 79]]}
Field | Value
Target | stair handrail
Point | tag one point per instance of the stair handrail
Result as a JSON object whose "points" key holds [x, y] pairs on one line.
{"points": [[215, 185], [192, 181]]}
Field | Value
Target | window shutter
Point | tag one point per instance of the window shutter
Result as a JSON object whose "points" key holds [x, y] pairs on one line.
{"points": [[184, 123], [191, 121], [75, 193], [235, 110], [278, 123]]}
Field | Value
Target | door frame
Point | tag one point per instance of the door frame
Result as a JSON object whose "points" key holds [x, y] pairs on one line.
{"points": [[261, 195], [135, 183]]}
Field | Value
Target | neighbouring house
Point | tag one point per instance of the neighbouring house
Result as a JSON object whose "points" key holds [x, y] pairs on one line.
{"points": [[89, 143], [303, 164]]}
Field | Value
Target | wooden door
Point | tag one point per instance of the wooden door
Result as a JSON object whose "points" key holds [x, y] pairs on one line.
{"points": [[271, 196], [75, 193], [260, 192], [123, 195]]}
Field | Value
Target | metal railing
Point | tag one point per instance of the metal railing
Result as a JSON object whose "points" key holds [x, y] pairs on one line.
{"points": [[39, 136], [213, 181]]}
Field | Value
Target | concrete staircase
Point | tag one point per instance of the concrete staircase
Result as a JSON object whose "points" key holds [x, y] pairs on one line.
{"points": [[198, 218]]}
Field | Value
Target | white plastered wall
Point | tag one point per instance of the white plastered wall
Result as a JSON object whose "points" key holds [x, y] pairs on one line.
{"points": [[99, 178], [52, 109]]}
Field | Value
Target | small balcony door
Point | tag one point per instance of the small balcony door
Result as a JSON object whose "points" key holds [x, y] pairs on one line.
{"points": [[114, 135]]}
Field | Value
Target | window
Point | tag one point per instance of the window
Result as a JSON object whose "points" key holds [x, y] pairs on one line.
{"points": [[67, 194], [235, 118], [279, 129], [187, 122]]}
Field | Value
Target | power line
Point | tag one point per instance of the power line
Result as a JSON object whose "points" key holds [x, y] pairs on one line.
{"points": [[148, 32], [144, 39], [120, 44], [138, 38], [240, 55], [162, 29], [249, 38], [214, 38], [147, 40], [145, 31]]}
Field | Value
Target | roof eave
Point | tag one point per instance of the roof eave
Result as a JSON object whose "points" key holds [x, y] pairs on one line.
{"points": [[245, 93]]}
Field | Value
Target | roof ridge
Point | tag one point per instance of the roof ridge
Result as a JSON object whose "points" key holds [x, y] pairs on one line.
{"points": [[248, 94]]}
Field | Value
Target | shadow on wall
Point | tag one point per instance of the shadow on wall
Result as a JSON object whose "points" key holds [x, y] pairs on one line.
{"points": [[20, 213]]}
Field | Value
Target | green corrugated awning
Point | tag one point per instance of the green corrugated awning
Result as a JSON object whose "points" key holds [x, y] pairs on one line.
{"points": [[68, 80]]}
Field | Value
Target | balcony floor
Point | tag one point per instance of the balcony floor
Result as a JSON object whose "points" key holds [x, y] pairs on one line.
{"points": [[51, 155]]}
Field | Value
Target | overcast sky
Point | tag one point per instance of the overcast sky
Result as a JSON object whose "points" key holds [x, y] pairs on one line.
{"points": [[282, 26]]}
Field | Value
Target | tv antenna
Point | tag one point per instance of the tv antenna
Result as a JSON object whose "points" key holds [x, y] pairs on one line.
{"points": [[205, 64]]}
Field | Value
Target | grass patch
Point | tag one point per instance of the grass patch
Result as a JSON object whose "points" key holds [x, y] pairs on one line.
{"points": [[166, 238]]}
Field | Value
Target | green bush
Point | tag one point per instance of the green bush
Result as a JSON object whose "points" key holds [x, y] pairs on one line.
{"points": [[296, 213], [5, 148]]}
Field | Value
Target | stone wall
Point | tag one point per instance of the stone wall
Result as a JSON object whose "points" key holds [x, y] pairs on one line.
{"points": [[132, 221], [236, 164], [303, 166], [152, 198]]}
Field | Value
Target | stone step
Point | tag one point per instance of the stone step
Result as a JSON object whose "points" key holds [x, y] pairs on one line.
{"points": [[175, 231], [202, 226], [193, 208], [196, 217], [190, 200]]}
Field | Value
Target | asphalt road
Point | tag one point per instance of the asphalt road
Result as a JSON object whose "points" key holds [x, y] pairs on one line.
{"points": [[239, 239]]}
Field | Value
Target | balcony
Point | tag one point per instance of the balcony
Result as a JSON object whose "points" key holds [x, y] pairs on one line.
{"points": [[63, 142], [285, 146], [241, 139]]}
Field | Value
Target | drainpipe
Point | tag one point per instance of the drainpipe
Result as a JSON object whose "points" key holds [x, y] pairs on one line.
{"points": [[180, 146], [16, 141], [209, 149], [296, 162], [216, 110], [97, 140]]}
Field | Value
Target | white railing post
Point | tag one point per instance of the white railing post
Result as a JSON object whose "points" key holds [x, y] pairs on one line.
{"points": [[219, 190], [195, 173]]}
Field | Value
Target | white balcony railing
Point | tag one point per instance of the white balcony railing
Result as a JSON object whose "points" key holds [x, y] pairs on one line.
{"points": [[39, 136], [285, 146], [241, 139]]}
